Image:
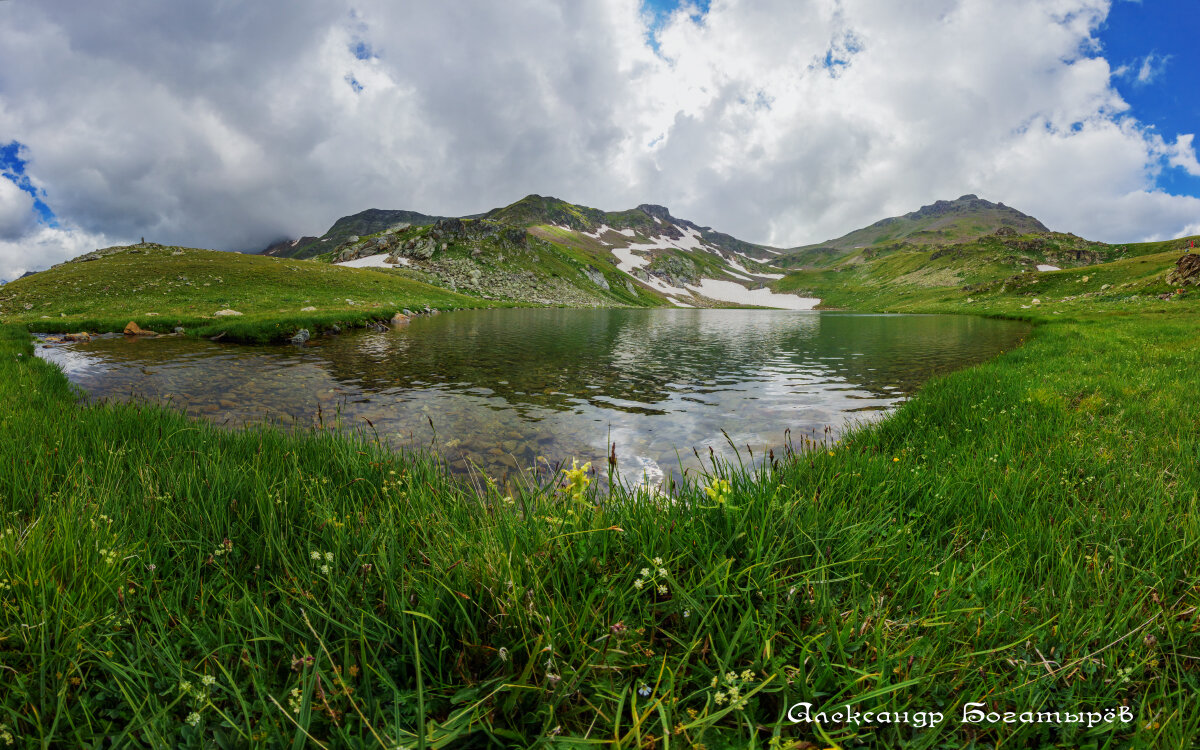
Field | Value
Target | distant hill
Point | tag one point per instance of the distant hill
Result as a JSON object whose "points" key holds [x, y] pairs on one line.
{"points": [[940, 223], [966, 245]]}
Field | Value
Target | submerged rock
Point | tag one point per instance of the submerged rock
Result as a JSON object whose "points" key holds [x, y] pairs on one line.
{"points": [[301, 337]]}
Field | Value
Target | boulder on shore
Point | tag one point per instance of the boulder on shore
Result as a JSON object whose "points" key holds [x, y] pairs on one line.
{"points": [[133, 329], [301, 337]]}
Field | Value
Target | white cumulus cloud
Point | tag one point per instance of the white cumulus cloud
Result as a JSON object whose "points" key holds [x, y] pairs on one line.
{"points": [[16, 211], [230, 125]]}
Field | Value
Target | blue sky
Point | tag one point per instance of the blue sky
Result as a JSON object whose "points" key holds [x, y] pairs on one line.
{"points": [[660, 11], [1157, 45], [12, 168]]}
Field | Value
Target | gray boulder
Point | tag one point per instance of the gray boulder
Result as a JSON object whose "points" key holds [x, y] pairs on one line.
{"points": [[596, 277]]}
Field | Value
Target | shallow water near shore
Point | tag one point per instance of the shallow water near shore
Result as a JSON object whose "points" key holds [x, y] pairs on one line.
{"points": [[507, 390]]}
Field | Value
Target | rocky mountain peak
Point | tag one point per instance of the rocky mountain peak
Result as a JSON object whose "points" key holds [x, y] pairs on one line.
{"points": [[656, 211]]}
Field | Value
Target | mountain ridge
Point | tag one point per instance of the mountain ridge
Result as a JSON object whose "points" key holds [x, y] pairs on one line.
{"points": [[546, 250]]}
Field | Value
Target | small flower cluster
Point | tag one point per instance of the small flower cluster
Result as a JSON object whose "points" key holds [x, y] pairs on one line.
{"points": [[225, 549], [101, 518], [294, 700], [198, 695], [116, 621], [731, 691], [396, 484], [656, 578], [323, 559], [109, 556], [577, 480], [719, 491], [5, 735]]}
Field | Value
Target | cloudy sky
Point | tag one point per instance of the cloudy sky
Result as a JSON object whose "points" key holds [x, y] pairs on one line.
{"points": [[230, 125]]}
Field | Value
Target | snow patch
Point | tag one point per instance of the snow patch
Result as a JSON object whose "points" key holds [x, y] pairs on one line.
{"points": [[725, 291], [734, 264], [731, 291], [1047, 267], [627, 262], [374, 261], [677, 303]]}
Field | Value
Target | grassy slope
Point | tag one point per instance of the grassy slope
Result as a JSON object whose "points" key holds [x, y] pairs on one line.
{"points": [[962, 219], [980, 282], [185, 290], [1023, 533]]}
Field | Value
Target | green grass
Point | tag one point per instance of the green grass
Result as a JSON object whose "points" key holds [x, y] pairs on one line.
{"points": [[160, 289], [1022, 533], [892, 284]]}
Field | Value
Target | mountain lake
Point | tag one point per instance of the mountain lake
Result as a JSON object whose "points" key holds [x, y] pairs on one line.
{"points": [[499, 392]]}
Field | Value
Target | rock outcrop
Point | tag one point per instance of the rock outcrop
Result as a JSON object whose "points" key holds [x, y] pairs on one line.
{"points": [[1186, 272]]}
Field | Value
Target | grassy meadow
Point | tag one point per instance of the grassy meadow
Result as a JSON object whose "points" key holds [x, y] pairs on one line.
{"points": [[161, 287], [1022, 534]]}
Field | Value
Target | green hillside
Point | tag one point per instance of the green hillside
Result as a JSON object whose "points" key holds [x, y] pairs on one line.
{"points": [[1135, 281], [942, 222], [161, 287], [1005, 264]]}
